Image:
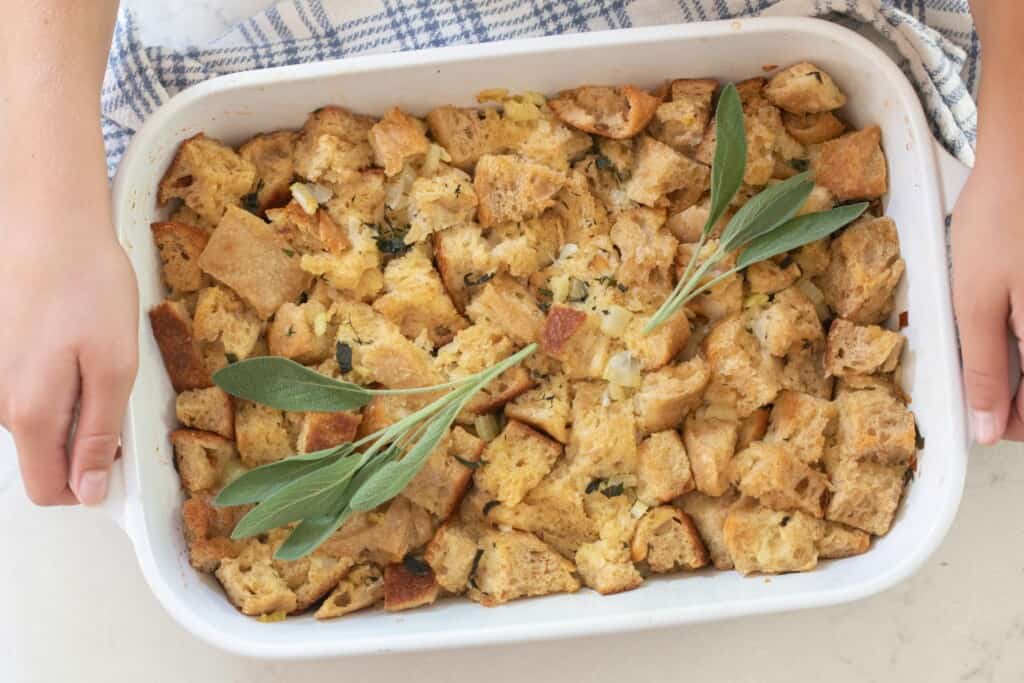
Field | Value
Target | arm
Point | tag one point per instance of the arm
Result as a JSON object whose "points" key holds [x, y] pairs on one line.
{"points": [[68, 294], [988, 229]]}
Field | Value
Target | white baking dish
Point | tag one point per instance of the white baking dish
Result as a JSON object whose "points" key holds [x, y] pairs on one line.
{"points": [[146, 500]]}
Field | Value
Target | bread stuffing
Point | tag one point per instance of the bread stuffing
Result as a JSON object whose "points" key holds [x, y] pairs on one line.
{"points": [[759, 429]]}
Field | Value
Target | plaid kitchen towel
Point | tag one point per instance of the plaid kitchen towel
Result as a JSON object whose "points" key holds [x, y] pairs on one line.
{"points": [[933, 41]]}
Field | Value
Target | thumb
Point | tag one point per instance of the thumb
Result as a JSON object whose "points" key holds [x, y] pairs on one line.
{"points": [[982, 323]]}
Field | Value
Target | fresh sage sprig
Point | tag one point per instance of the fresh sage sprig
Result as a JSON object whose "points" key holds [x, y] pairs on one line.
{"points": [[321, 490], [765, 226]]}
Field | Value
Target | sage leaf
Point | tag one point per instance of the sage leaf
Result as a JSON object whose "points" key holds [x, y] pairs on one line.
{"points": [[798, 232], [767, 211], [730, 160], [311, 495], [286, 385], [258, 483], [393, 477], [311, 534]]}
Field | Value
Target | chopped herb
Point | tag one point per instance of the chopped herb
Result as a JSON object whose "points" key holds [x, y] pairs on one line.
{"points": [[468, 463], [799, 164], [458, 189], [473, 567], [416, 566], [604, 163], [392, 245], [612, 282], [817, 74], [251, 203], [290, 332], [489, 505], [470, 281], [785, 521], [288, 252], [613, 491], [581, 292], [546, 293], [232, 358], [918, 439], [594, 485], [304, 297], [544, 306], [343, 354], [909, 475], [786, 262]]}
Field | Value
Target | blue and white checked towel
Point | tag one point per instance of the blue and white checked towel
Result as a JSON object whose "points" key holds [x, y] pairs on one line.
{"points": [[934, 41]]}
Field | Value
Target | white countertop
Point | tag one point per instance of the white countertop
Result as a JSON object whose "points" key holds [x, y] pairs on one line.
{"points": [[81, 611]]}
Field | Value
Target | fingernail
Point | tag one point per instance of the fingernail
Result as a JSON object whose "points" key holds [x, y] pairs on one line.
{"points": [[92, 487], [984, 423]]}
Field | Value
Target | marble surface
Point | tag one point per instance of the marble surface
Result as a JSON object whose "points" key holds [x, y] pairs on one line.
{"points": [[77, 609]]}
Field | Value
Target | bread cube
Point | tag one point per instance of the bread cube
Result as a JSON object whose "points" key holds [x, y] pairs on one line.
{"points": [[779, 480], [246, 255], [262, 433], [876, 425], [853, 166], [517, 564], [681, 121], [416, 301], [771, 542], [360, 196], [510, 189], [804, 89], [840, 540], [397, 138], [333, 145], [451, 555], [710, 445], [201, 458], [861, 349], [663, 469], [658, 170], [602, 442], [208, 530], [752, 428], [440, 484], [514, 462], [606, 567], [801, 424], [611, 112], [666, 539], [208, 176], [405, 589], [768, 277], [255, 587], [739, 363], [666, 396], [464, 262], [463, 132], [207, 410], [656, 349], [446, 199], [865, 494], [546, 407], [763, 125], [179, 246], [864, 270], [355, 271], [293, 332], [222, 317], [272, 156], [309, 233], [647, 248], [362, 587], [320, 431], [708, 515], [790, 321], [384, 411], [507, 304], [380, 353], [803, 369], [172, 328], [583, 214], [476, 348]]}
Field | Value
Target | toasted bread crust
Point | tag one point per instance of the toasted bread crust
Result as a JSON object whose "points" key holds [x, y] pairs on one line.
{"points": [[172, 328]]}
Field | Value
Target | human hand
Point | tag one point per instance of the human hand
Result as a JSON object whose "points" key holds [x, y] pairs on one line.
{"points": [[69, 334], [988, 288]]}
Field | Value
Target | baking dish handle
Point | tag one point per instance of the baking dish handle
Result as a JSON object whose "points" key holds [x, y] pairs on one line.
{"points": [[115, 506], [952, 176]]}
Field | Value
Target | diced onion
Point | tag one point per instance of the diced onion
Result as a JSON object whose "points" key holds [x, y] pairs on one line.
{"points": [[578, 290], [487, 427], [322, 193], [816, 296], [304, 196], [569, 250], [755, 300], [617, 392], [432, 160], [639, 509], [320, 324], [534, 97], [516, 110], [623, 369], [560, 288], [491, 95]]}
